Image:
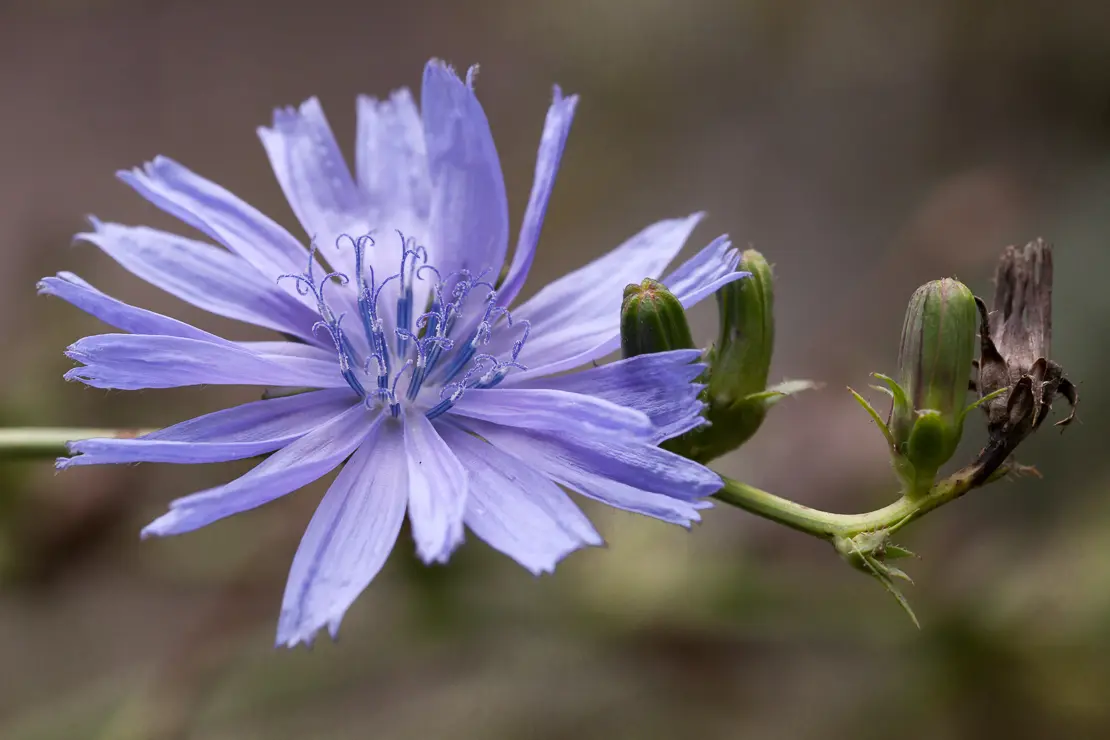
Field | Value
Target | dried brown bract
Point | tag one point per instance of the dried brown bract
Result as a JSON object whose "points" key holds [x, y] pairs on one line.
{"points": [[1015, 342]]}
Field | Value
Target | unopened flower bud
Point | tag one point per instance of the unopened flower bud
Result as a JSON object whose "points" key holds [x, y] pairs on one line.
{"points": [[938, 345], [929, 396], [934, 366], [737, 394], [652, 320], [746, 337]]}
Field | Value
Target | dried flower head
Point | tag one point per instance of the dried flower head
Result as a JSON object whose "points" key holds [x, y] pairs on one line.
{"points": [[1016, 338]]}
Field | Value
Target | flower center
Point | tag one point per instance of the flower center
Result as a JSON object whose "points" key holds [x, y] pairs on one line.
{"points": [[437, 350]]}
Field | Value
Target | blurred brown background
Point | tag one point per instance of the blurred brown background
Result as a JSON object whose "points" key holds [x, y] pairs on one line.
{"points": [[865, 147]]}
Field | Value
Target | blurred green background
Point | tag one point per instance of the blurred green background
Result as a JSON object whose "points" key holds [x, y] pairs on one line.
{"points": [[864, 147]]}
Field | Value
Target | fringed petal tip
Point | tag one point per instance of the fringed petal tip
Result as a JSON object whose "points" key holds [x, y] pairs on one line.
{"points": [[289, 117], [436, 553], [558, 99], [76, 374], [547, 568], [142, 171], [435, 65], [291, 634]]}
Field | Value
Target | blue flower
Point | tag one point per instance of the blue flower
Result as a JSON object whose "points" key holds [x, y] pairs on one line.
{"points": [[400, 353]]}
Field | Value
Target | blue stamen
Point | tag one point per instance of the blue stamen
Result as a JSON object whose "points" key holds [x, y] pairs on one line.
{"points": [[394, 405], [405, 299], [419, 344], [425, 360]]}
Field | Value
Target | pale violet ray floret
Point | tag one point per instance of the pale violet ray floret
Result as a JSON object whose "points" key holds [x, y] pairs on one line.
{"points": [[236, 433], [648, 383], [203, 275], [404, 356]]}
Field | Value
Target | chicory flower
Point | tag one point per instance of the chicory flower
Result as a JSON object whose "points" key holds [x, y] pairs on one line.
{"points": [[406, 356]]}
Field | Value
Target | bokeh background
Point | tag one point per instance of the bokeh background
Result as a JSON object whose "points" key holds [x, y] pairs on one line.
{"points": [[865, 147]]}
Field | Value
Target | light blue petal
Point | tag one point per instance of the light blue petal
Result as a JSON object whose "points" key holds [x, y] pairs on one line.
{"points": [[437, 490], [610, 473], [240, 227], [660, 385], [131, 362], [311, 457], [349, 538], [636, 464], [714, 264], [205, 276], [469, 222], [706, 272], [391, 160], [230, 434], [312, 172], [555, 130], [283, 351], [117, 314], [515, 509], [553, 410], [582, 309]]}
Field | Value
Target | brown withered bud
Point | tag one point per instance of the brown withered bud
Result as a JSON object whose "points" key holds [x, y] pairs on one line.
{"points": [[1015, 342]]}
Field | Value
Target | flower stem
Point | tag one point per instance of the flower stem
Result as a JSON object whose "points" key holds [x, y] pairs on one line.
{"points": [[826, 525], [37, 442]]}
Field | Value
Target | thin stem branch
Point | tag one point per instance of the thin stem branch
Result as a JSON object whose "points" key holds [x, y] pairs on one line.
{"points": [[32, 442], [826, 525]]}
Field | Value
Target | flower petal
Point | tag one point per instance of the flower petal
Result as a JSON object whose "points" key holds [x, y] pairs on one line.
{"points": [[116, 313], [311, 457], [582, 309], [205, 276], [553, 410], [715, 264], [391, 160], [660, 385], [554, 138], [515, 509], [132, 362], [240, 227], [437, 490], [230, 434], [706, 272], [469, 220], [634, 477], [282, 351], [349, 538], [312, 172]]}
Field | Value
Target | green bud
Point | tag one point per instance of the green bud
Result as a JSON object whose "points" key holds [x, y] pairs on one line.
{"points": [[745, 341], [938, 346], [737, 395], [652, 320], [934, 366]]}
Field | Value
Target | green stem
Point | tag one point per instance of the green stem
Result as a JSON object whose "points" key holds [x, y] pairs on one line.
{"points": [[826, 525], [31, 442]]}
